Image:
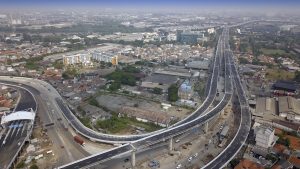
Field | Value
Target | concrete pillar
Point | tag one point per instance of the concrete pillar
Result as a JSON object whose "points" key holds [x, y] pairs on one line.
{"points": [[133, 159], [171, 144], [206, 127]]}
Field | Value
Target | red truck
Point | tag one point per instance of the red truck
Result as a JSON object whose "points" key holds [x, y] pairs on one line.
{"points": [[79, 140]]}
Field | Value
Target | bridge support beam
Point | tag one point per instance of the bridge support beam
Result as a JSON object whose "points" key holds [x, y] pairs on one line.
{"points": [[205, 127], [133, 159], [171, 145]]}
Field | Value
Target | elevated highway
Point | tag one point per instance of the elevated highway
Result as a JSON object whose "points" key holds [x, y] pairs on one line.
{"points": [[170, 132]]}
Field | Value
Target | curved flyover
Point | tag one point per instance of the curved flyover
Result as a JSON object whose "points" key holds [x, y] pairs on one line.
{"points": [[109, 138]]}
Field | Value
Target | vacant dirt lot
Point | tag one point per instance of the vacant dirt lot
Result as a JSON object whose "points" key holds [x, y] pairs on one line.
{"points": [[115, 102]]}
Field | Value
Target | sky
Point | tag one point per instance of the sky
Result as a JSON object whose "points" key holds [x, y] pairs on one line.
{"points": [[112, 3]]}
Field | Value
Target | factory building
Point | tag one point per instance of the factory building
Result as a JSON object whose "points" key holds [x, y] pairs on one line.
{"points": [[289, 107]]}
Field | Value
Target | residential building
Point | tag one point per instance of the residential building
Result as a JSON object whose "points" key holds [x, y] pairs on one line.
{"points": [[189, 37], [105, 57], [264, 136], [84, 59]]}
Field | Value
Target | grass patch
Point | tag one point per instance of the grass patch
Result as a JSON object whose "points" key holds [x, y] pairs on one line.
{"points": [[278, 74], [85, 121], [118, 124], [273, 51]]}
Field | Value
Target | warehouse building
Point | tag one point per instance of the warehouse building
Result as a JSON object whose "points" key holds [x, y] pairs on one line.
{"points": [[265, 106], [159, 81], [289, 107], [285, 86]]}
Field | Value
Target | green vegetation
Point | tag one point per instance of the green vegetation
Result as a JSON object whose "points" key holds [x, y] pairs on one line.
{"points": [[234, 162], [157, 90], [118, 124], [85, 121], [34, 166], [200, 87], [272, 51], [243, 61], [249, 73], [124, 76], [58, 64], [93, 101], [114, 86], [279, 74], [31, 65], [21, 164], [297, 76], [131, 69], [173, 93], [284, 141], [70, 73], [271, 158]]}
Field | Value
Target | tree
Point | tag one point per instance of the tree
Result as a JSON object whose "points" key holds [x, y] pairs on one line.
{"points": [[243, 61], [297, 76], [157, 90], [114, 86], [173, 93], [34, 166]]}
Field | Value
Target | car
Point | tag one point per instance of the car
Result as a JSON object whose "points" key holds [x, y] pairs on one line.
{"points": [[190, 159], [178, 166], [196, 154], [126, 160], [177, 141]]}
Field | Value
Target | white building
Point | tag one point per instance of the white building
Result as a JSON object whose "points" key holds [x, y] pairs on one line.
{"points": [[264, 136], [105, 57], [211, 30], [172, 37], [84, 59]]}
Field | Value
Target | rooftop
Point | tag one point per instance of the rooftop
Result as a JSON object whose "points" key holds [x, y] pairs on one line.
{"points": [[162, 79], [289, 104], [285, 86], [265, 105]]}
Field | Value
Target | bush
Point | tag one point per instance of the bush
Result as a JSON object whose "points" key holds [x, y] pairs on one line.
{"points": [[21, 164], [115, 86], [173, 93], [157, 90], [93, 101], [34, 166], [122, 77]]}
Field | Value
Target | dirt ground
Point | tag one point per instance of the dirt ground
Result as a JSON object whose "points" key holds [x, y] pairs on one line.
{"points": [[115, 102]]}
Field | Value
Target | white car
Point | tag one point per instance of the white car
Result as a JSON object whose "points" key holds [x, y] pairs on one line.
{"points": [[178, 166], [190, 159]]}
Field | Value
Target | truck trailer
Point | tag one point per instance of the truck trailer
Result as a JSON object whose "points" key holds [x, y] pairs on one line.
{"points": [[79, 140]]}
